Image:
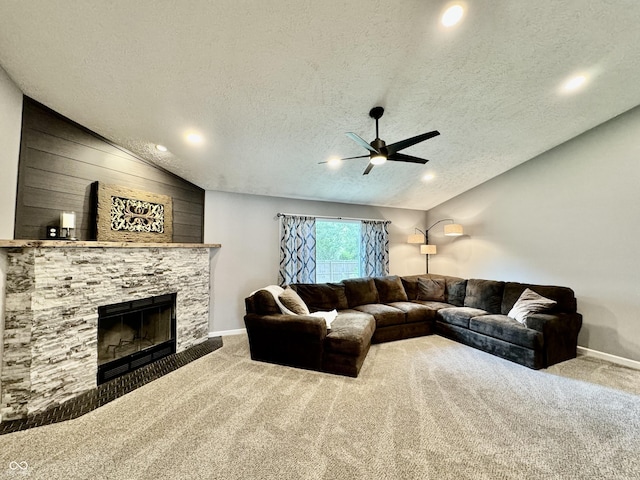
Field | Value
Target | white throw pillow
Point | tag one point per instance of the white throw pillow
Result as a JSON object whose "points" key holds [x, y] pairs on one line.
{"points": [[530, 302]]}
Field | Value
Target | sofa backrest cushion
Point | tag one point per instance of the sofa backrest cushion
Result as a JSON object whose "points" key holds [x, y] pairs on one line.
{"points": [[455, 287], [390, 289], [485, 295], [563, 295], [361, 291], [322, 297], [455, 291]]}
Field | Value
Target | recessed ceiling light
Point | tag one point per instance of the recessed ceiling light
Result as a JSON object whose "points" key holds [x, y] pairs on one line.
{"points": [[428, 177], [574, 83], [162, 148], [452, 15], [334, 162], [194, 138]]}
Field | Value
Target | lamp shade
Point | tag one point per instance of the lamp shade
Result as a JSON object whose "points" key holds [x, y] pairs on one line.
{"points": [[415, 238], [428, 249], [453, 230]]}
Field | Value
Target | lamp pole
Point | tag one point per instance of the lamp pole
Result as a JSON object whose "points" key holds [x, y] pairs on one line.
{"points": [[426, 237], [426, 249]]}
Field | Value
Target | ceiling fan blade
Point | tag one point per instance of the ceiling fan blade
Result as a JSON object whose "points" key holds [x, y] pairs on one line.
{"points": [[368, 169], [348, 158], [402, 144], [361, 141], [401, 157]]}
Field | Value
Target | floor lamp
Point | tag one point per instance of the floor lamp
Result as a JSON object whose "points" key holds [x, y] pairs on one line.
{"points": [[451, 230]]}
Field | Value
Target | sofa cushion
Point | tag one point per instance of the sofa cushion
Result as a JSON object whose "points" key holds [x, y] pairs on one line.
{"points": [[415, 312], [384, 314], [456, 290], [360, 291], [390, 289], [564, 296], [528, 303], [350, 333], [410, 284], [431, 289], [292, 301], [322, 296], [459, 316], [484, 294], [507, 329], [433, 305]]}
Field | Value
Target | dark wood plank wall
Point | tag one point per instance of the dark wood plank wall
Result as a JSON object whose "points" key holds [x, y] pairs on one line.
{"points": [[59, 162]]}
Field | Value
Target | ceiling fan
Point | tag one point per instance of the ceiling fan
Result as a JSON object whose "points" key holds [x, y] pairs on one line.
{"points": [[380, 152]]}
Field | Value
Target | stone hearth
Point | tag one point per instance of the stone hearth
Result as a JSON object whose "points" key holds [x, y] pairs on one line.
{"points": [[52, 294]]}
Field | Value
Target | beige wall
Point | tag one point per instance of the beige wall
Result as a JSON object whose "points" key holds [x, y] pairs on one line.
{"points": [[247, 228], [10, 127], [568, 217]]}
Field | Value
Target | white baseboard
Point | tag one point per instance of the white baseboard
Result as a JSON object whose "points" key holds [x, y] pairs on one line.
{"points": [[626, 362], [224, 333]]}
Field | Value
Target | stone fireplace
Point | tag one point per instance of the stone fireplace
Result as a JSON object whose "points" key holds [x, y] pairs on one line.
{"points": [[55, 292]]}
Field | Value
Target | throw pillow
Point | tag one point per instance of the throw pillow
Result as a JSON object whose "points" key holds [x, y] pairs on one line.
{"points": [[528, 303], [292, 301], [390, 289], [431, 289]]}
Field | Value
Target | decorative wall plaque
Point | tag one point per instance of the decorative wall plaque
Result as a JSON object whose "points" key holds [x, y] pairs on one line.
{"points": [[128, 215]]}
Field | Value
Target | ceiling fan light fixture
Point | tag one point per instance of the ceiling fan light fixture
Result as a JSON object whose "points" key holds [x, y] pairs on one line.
{"points": [[378, 159]]}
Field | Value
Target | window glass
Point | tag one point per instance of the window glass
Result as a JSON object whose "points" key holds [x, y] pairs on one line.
{"points": [[337, 250]]}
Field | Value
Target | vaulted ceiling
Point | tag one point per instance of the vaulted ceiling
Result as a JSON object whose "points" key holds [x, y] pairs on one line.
{"points": [[273, 86]]}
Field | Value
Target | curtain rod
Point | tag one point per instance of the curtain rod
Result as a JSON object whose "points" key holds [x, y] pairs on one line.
{"points": [[332, 218]]}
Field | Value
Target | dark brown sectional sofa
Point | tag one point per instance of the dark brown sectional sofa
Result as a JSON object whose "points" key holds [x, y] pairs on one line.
{"points": [[382, 309]]}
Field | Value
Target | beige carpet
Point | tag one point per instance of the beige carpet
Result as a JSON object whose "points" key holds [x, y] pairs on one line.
{"points": [[424, 408]]}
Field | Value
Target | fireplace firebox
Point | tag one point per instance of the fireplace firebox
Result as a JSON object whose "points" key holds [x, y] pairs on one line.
{"points": [[135, 333]]}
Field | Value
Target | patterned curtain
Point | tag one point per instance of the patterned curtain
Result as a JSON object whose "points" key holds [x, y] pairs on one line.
{"points": [[374, 250], [297, 250]]}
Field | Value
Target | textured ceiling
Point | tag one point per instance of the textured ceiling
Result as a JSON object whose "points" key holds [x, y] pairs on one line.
{"points": [[273, 86]]}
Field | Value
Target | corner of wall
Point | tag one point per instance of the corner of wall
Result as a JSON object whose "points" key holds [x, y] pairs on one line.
{"points": [[10, 130]]}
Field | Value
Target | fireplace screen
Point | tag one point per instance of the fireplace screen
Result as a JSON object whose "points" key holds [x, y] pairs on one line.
{"points": [[133, 334]]}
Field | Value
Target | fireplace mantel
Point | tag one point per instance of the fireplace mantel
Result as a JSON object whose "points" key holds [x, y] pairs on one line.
{"points": [[85, 244]]}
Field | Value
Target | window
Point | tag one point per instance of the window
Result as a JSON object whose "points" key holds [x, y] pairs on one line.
{"points": [[337, 250], [341, 248]]}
